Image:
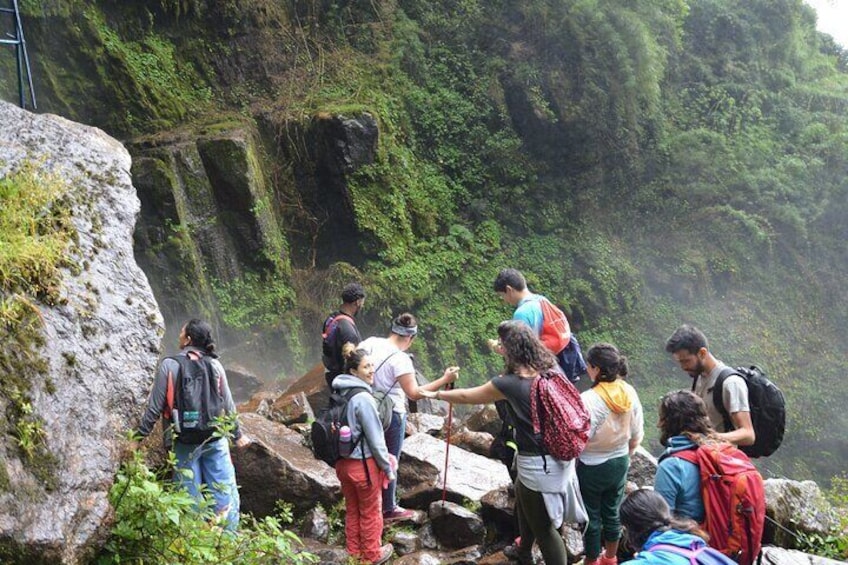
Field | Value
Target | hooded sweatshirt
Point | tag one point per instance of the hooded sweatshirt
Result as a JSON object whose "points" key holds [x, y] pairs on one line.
{"points": [[679, 481], [665, 557], [363, 418], [617, 418]]}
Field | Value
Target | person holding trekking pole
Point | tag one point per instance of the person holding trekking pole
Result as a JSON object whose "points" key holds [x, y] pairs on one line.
{"points": [[202, 458], [543, 497], [394, 381]]}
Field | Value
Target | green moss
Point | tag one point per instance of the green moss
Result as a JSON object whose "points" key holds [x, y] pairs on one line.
{"points": [[36, 232]]}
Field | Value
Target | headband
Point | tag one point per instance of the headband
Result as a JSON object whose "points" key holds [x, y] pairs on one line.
{"points": [[403, 330]]}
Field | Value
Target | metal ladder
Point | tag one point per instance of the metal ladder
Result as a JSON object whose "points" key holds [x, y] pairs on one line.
{"points": [[17, 39]]}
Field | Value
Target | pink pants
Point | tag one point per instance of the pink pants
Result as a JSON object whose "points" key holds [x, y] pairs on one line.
{"points": [[363, 507]]}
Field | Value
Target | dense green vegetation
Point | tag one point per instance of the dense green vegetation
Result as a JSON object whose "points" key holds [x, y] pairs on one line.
{"points": [[645, 164]]}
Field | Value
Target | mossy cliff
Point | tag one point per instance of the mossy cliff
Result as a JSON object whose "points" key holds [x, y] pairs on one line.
{"points": [[645, 164]]}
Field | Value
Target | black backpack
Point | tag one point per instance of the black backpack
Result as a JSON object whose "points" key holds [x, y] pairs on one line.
{"points": [[768, 409], [325, 428], [197, 399]]}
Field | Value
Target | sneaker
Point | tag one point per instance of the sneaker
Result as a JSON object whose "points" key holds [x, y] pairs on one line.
{"points": [[398, 514], [386, 551]]}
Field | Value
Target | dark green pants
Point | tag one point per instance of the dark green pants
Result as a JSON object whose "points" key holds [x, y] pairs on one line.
{"points": [[602, 487], [535, 525]]}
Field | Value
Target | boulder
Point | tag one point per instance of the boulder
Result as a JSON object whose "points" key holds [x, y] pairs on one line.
{"points": [[799, 507], [406, 542], [455, 526], [314, 386], [421, 423], [475, 442], [275, 467], [243, 383], [497, 509], [102, 341], [484, 419], [643, 467], [291, 409], [781, 556], [260, 402], [468, 475], [419, 558], [315, 524]]}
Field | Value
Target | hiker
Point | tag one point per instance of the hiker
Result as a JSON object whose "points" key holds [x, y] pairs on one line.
{"points": [[207, 463], [340, 328], [617, 428], [683, 424], [543, 497], [394, 380], [511, 286], [362, 471], [661, 537], [688, 346], [709, 480]]}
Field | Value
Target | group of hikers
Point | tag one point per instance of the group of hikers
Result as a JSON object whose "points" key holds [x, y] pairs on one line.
{"points": [[663, 525]]}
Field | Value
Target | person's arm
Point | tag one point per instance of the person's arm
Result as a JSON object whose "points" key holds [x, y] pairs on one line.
{"points": [[365, 410], [482, 394], [743, 434], [735, 398], [156, 401], [667, 481], [637, 424], [347, 333], [414, 392]]}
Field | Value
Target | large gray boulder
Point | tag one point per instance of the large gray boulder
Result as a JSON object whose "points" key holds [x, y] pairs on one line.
{"points": [[102, 347], [469, 476], [781, 556], [798, 506], [277, 467]]}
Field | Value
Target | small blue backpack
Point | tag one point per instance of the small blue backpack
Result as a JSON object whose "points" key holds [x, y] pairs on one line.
{"points": [[697, 554]]}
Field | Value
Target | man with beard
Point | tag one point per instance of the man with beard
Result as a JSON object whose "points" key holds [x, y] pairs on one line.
{"points": [[340, 328], [688, 345]]}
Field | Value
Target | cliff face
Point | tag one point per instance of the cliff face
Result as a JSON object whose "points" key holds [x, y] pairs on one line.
{"points": [[101, 344], [644, 164]]}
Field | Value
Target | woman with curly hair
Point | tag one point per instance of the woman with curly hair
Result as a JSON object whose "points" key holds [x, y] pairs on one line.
{"points": [[542, 497], [683, 424]]}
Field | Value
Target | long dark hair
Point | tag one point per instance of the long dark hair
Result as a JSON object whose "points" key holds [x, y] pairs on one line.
{"points": [[522, 347], [201, 336], [645, 511], [611, 363], [682, 412]]}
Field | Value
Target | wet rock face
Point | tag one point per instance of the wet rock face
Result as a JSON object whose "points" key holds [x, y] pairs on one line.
{"points": [[102, 347]]}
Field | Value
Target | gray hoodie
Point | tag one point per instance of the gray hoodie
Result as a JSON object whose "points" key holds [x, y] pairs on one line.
{"points": [[362, 417]]}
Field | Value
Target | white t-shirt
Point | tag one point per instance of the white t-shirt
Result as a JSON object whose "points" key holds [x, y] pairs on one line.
{"points": [[734, 392], [610, 433], [389, 364]]}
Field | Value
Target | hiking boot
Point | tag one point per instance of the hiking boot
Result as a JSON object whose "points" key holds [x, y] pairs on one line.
{"points": [[386, 551], [398, 514]]}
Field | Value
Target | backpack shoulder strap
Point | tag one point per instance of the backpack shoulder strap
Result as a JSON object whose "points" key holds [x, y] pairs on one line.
{"points": [[689, 454], [718, 395]]}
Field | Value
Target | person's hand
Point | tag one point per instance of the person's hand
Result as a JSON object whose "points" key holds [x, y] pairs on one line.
{"points": [[451, 374], [427, 393], [243, 441], [393, 462], [496, 346]]}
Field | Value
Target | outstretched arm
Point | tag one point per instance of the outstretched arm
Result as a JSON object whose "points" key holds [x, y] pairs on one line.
{"points": [[482, 394], [414, 392]]}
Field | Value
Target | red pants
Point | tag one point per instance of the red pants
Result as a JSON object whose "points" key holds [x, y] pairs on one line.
{"points": [[363, 507]]}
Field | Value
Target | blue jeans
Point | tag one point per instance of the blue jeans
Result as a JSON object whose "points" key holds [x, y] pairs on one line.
{"points": [[394, 443], [210, 464]]}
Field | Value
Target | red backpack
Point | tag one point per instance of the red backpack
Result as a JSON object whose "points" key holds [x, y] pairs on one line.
{"points": [[558, 415], [556, 333], [734, 499]]}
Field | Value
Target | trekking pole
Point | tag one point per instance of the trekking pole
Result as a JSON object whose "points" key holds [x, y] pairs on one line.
{"points": [[448, 386]]}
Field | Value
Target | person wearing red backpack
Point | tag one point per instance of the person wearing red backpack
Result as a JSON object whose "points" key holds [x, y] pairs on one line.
{"points": [[617, 428], [546, 319], [546, 489], [709, 480], [689, 348], [340, 328]]}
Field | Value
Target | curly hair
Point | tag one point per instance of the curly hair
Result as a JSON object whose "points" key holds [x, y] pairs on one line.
{"points": [[523, 348], [682, 412]]}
